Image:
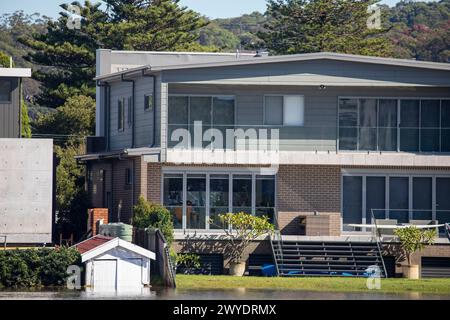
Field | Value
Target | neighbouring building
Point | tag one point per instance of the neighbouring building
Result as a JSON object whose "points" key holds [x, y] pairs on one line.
{"points": [[26, 172], [347, 137]]}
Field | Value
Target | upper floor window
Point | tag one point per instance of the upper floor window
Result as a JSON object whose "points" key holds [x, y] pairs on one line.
{"points": [[284, 110], [130, 111], [148, 102], [410, 125], [5, 90], [121, 114], [128, 177]]}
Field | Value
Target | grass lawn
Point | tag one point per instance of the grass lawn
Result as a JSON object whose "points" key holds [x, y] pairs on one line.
{"points": [[438, 286]]}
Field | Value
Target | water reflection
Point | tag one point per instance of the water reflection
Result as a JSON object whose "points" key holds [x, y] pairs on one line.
{"points": [[219, 294]]}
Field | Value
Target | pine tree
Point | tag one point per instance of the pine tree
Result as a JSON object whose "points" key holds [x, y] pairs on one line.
{"points": [[303, 26], [67, 55]]}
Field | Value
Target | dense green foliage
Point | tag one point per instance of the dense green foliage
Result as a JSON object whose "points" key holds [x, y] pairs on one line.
{"points": [[25, 122], [4, 60], [36, 267], [126, 25], [76, 117], [147, 214], [413, 239], [303, 26]]}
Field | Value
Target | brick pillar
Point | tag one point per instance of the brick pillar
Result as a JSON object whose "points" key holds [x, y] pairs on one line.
{"points": [[95, 215]]}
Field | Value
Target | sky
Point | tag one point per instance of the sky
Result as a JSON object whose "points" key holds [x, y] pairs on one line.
{"points": [[209, 8]]}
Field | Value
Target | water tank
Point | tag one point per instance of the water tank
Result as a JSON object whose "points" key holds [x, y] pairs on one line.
{"points": [[114, 230]]}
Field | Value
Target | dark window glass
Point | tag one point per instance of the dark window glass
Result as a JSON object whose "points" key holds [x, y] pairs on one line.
{"points": [[173, 198], [442, 201], [368, 113], [368, 139], [218, 199], [196, 202], [273, 110], [348, 138], [5, 90], [430, 123], [399, 199], [178, 110], [148, 102], [242, 193], [375, 198], [223, 111], [121, 114], [200, 110], [387, 122], [445, 114], [422, 198], [348, 113], [409, 125], [265, 196], [130, 111], [352, 199]]}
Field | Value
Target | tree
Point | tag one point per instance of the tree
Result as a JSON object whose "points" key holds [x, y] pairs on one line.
{"points": [[245, 229], [4, 60], [303, 26], [147, 214], [68, 54], [413, 239], [75, 118]]}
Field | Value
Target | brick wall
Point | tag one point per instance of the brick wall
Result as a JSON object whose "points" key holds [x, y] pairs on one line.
{"points": [[154, 177], [303, 189], [95, 215]]}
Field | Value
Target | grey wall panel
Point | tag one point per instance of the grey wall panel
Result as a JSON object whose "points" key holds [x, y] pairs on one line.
{"points": [[319, 132], [10, 113], [119, 139], [26, 191], [313, 72]]}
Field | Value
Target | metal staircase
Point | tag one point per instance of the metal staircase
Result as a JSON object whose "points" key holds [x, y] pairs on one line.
{"points": [[325, 258]]}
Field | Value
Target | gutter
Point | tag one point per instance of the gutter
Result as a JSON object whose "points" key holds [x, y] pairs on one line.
{"points": [[133, 104], [154, 105], [107, 119]]}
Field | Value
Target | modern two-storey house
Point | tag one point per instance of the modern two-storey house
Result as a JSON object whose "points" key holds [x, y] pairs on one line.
{"points": [[324, 144]]}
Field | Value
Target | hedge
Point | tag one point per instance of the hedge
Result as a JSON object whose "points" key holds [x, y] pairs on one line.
{"points": [[36, 267]]}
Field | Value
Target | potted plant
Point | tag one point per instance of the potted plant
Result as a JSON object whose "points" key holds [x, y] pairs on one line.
{"points": [[413, 240], [241, 229]]}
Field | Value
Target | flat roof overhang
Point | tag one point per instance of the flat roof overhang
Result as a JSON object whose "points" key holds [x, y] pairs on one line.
{"points": [[119, 154]]}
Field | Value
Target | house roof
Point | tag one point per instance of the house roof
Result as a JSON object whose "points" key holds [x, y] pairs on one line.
{"points": [[15, 72], [290, 58], [92, 243], [99, 244]]}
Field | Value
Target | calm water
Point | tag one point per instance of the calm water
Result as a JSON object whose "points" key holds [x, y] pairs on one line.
{"points": [[228, 294]]}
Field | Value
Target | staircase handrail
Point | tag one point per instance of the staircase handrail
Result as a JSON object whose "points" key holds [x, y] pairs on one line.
{"points": [[275, 236], [378, 241]]}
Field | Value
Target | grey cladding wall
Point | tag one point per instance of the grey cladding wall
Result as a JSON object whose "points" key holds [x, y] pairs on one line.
{"points": [[10, 110]]}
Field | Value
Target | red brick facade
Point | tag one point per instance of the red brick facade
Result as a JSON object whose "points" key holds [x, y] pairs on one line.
{"points": [[301, 190], [96, 216]]}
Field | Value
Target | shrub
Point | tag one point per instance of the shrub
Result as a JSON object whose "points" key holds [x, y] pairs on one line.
{"points": [[36, 267], [147, 214], [188, 260], [413, 239], [245, 229]]}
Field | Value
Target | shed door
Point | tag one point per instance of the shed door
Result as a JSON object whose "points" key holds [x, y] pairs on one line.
{"points": [[105, 275], [130, 274]]}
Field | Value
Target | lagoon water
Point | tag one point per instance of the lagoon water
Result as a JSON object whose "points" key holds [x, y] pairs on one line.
{"points": [[219, 294]]}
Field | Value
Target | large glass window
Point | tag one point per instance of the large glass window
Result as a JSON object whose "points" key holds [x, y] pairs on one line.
{"points": [[284, 110], [375, 198], [218, 199], [352, 199], [242, 193], [422, 198], [196, 202], [442, 201], [173, 197], [399, 199], [265, 196], [410, 125], [430, 122], [273, 110], [348, 124]]}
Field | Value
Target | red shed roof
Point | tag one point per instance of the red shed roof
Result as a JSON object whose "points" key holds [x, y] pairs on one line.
{"points": [[92, 243]]}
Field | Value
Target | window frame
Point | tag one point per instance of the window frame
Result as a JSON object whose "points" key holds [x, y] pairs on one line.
{"points": [[282, 110], [210, 173], [398, 127], [121, 114]]}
